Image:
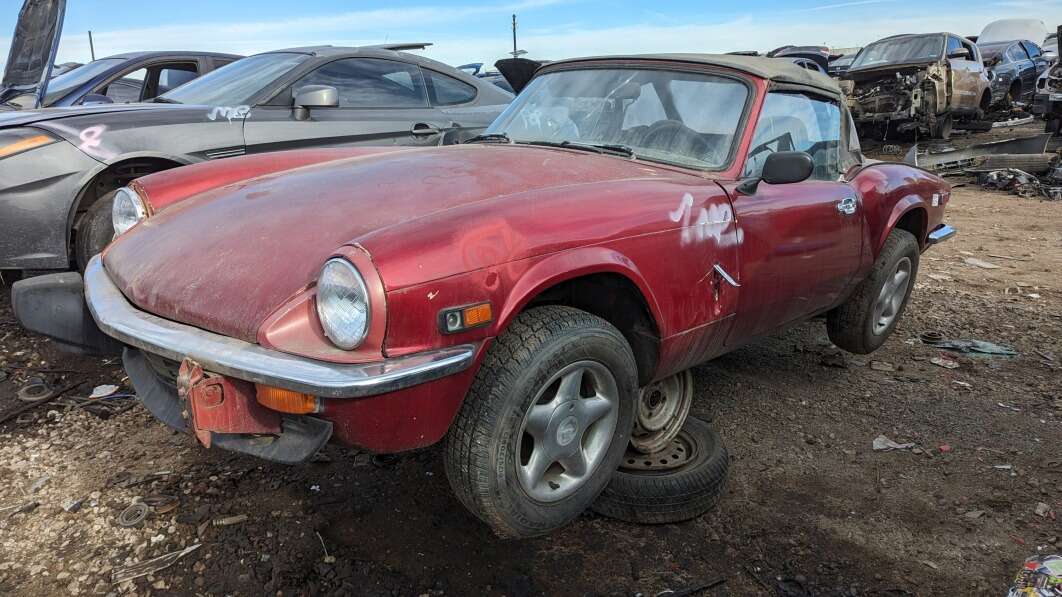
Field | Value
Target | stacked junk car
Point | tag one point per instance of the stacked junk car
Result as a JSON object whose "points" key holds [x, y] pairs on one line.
{"points": [[535, 271]]}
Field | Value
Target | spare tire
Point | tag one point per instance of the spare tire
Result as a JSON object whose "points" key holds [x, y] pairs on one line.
{"points": [[678, 483]]}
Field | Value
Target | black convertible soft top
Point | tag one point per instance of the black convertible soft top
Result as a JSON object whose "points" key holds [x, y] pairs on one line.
{"points": [[781, 71]]}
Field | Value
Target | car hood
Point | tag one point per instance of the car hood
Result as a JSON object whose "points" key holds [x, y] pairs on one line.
{"points": [[33, 48], [225, 259], [27, 117]]}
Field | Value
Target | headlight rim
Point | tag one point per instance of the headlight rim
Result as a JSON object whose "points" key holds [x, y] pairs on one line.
{"points": [[363, 287], [139, 208]]}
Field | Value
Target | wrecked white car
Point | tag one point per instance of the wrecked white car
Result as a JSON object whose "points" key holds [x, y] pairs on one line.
{"points": [[921, 83]]}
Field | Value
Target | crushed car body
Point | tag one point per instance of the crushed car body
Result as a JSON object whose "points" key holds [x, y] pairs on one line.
{"points": [[922, 82], [392, 295]]}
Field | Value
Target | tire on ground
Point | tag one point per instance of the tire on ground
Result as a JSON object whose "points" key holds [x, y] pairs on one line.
{"points": [[483, 445], [660, 497], [851, 326], [95, 230]]}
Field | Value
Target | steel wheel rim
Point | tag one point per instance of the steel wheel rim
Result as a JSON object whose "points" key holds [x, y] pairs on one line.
{"points": [[891, 296], [678, 452], [661, 412], [567, 431]]}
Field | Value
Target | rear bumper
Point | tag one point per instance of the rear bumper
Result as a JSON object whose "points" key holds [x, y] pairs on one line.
{"points": [[940, 234], [119, 319]]}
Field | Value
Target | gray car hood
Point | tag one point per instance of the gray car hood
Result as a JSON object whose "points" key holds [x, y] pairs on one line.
{"points": [[33, 48], [26, 117]]}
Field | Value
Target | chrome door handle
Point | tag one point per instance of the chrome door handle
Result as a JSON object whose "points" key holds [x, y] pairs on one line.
{"points": [[424, 129], [847, 206]]}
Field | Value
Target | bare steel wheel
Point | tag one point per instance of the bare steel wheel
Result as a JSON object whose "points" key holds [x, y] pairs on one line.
{"points": [[892, 296], [662, 410], [568, 430]]}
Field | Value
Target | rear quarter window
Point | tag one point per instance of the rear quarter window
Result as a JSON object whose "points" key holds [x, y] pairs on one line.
{"points": [[448, 91]]}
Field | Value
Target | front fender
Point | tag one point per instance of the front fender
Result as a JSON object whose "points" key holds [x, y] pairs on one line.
{"points": [[567, 265], [902, 208]]}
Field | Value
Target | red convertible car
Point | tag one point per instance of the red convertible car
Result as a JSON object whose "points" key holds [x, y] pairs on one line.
{"points": [[624, 220]]}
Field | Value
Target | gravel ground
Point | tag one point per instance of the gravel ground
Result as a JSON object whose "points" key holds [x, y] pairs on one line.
{"points": [[810, 509]]}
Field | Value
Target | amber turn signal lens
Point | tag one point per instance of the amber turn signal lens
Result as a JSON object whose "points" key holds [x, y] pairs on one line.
{"points": [[25, 145], [286, 401], [477, 315]]}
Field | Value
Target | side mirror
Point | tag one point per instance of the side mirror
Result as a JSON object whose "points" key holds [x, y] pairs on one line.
{"points": [[314, 96], [781, 167], [95, 98], [961, 54]]}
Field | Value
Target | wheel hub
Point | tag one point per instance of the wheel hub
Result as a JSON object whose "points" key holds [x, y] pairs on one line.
{"points": [[676, 454], [662, 409], [567, 431]]}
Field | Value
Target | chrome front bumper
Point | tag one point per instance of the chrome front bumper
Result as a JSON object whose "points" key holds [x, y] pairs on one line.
{"points": [[119, 319]]}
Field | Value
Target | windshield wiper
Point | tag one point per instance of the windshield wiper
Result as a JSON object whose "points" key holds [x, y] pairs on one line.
{"points": [[490, 137], [602, 148], [165, 100]]}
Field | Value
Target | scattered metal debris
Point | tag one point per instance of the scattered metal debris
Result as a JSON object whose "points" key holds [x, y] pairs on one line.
{"points": [[133, 515], [979, 263], [103, 391], [35, 391], [1014, 122], [944, 362], [884, 444], [162, 503], [229, 520], [150, 566], [937, 340], [1008, 407], [882, 366], [74, 505], [957, 161], [20, 508], [39, 483]]}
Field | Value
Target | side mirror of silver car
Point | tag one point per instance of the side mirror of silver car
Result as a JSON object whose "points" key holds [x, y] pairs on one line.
{"points": [[314, 96]]}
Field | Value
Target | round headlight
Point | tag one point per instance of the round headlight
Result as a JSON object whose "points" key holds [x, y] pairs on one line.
{"points": [[128, 209], [343, 304]]}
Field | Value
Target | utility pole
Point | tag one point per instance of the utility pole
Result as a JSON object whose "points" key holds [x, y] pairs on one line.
{"points": [[516, 53], [92, 48]]}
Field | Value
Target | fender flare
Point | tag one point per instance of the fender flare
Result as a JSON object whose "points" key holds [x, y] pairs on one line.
{"points": [[568, 265], [87, 179], [901, 209]]}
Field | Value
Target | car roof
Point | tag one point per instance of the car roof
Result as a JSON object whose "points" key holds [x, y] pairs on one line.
{"points": [[166, 53], [772, 69], [385, 51]]}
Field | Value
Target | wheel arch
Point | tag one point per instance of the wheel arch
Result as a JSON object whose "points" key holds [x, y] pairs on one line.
{"points": [[113, 175], [601, 282], [910, 214]]}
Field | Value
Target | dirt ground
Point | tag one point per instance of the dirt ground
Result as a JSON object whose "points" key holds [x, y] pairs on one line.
{"points": [[811, 508]]}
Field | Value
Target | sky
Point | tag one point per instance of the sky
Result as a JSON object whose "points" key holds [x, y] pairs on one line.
{"points": [[480, 30]]}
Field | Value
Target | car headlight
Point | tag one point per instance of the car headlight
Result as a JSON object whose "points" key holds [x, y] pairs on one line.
{"points": [[343, 304], [16, 141], [127, 211]]}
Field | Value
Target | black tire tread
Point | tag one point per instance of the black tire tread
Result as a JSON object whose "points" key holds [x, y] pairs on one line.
{"points": [[668, 498], [94, 231], [846, 324], [467, 459]]}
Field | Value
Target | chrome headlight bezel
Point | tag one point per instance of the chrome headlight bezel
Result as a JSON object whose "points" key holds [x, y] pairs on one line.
{"points": [[127, 210], [340, 286]]}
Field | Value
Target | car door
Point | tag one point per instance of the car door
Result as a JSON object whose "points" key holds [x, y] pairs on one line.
{"points": [[966, 73], [381, 102], [456, 102], [800, 242], [1037, 64]]}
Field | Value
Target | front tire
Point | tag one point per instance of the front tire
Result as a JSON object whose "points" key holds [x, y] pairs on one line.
{"points": [[863, 323], [545, 423], [95, 231]]}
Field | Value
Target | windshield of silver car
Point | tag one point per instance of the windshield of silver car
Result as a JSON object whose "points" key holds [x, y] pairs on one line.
{"points": [[900, 50], [683, 118], [235, 83], [63, 84]]}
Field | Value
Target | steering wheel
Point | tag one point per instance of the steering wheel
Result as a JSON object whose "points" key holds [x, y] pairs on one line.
{"points": [[673, 135]]}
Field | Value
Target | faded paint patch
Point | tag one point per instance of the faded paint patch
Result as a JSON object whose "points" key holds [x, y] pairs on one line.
{"points": [[229, 112]]}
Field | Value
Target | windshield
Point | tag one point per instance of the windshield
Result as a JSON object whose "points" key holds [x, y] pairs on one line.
{"points": [[236, 83], [675, 117], [63, 84], [902, 50]]}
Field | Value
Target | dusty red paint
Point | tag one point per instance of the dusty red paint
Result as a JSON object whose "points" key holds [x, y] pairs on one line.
{"points": [[460, 225]]}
